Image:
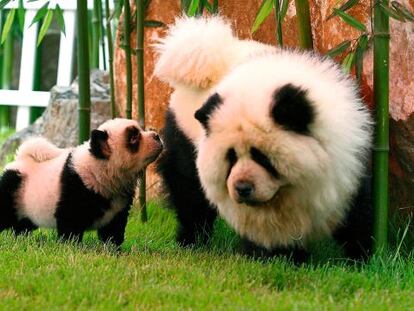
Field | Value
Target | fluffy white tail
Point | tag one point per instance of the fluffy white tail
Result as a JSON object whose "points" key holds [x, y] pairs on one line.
{"points": [[196, 51], [39, 149]]}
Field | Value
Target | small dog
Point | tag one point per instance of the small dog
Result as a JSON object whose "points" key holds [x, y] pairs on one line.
{"points": [[77, 189]]}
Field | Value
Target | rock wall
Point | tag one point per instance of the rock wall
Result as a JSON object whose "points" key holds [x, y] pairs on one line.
{"points": [[327, 34]]}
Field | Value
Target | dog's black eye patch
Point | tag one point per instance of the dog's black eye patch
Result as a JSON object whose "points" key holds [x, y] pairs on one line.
{"points": [[261, 159], [204, 113], [231, 157], [98, 145], [292, 109], [133, 138]]}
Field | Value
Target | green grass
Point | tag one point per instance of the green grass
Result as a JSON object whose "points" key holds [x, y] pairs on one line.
{"points": [[152, 272]]}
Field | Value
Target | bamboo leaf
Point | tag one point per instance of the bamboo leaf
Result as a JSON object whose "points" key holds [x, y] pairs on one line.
{"points": [[344, 7], [348, 61], [347, 5], [119, 4], [201, 7], [40, 13], [350, 20], [209, 7], [153, 24], [215, 6], [339, 49], [363, 42], [45, 26], [359, 55], [20, 15], [185, 4], [403, 11], [283, 9], [192, 8], [391, 12], [7, 25], [59, 18], [146, 4], [264, 11], [3, 3]]}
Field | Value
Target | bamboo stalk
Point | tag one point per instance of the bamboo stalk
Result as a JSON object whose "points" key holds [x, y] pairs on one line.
{"points": [[128, 64], [90, 37], [279, 35], [141, 98], [111, 58], [83, 71], [304, 25], [36, 112], [7, 72], [7, 75], [101, 24], [381, 141], [96, 34], [1, 48]]}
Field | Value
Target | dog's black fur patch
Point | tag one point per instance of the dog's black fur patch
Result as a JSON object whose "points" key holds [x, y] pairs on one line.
{"points": [[292, 109], [231, 157], [178, 169], [10, 183], [99, 144], [79, 207], [355, 235], [133, 138], [261, 159], [204, 113], [114, 231]]}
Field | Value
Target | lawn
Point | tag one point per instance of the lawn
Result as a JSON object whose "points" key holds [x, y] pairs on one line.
{"points": [[151, 272]]}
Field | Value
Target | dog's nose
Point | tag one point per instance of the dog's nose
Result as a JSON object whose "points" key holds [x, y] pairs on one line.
{"points": [[244, 189]]}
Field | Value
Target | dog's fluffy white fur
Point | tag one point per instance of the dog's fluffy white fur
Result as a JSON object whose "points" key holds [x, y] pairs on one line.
{"points": [[194, 56], [38, 149], [321, 171]]}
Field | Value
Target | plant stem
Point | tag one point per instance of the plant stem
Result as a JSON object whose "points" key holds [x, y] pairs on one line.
{"points": [[83, 71], [111, 58], [36, 112], [279, 35], [96, 34], [141, 97], [381, 141], [304, 25], [7, 75], [101, 24], [128, 64]]}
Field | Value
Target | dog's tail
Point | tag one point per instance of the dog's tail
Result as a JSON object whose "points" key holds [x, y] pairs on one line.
{"points": [[39, 149], [196, 51]]}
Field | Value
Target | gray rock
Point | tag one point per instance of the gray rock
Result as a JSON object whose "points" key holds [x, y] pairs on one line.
{"points": [[59, 122]]}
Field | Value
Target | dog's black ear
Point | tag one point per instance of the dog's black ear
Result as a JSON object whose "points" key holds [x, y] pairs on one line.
{"points": [[292, 109], [204, 113], [99, 146]]}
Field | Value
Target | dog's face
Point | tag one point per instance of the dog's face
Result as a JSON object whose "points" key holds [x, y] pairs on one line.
{"points": [[124, 145], [248, 155]]}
